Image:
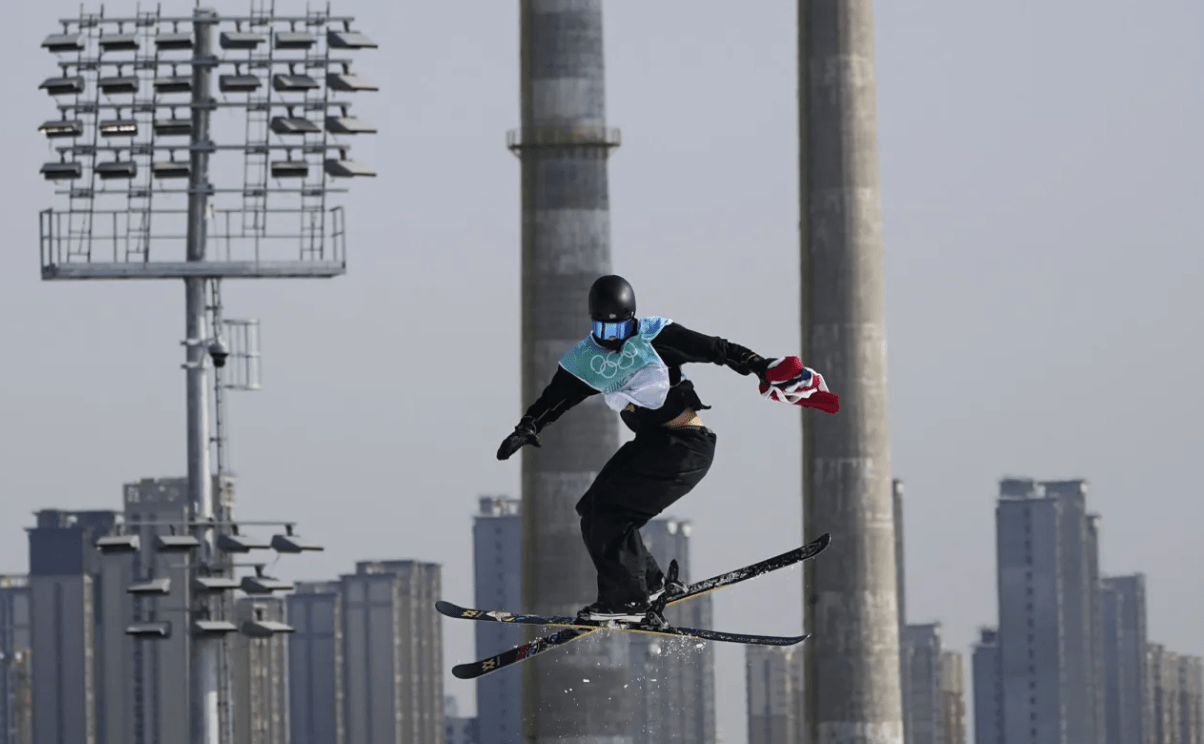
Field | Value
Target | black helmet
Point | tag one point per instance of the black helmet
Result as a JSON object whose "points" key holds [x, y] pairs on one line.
{"points": [[611, 298], [612, 309]]}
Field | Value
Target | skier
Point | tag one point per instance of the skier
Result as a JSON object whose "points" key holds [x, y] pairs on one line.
{"points": [[635, 363]]}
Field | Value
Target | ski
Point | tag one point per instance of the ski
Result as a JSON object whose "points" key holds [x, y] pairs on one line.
{"points": [[561, 637], [564, 621]]}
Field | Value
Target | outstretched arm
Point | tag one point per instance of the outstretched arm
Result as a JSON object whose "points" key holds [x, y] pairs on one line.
{"points": [[782, 378], [562, 393], [678, 345]]}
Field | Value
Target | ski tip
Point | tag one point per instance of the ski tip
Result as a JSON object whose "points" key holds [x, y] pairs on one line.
{"points": [[447, 608], [464, 671], [824, 539]]}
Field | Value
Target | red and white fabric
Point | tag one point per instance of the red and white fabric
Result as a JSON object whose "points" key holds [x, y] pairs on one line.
{"points": [[789, 381]]}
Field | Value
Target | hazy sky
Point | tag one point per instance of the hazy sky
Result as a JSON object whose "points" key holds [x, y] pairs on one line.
{"points": [[1040, 168]]}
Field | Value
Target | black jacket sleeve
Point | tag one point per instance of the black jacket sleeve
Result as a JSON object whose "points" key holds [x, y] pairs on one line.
{"points": [[678, 345], [561, 394]]}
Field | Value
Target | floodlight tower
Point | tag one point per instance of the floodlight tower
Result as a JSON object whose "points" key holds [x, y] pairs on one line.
{"points": [[133, 89]]}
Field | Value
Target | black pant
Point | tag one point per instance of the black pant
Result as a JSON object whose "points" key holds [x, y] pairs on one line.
{"points": [[639, 482]]}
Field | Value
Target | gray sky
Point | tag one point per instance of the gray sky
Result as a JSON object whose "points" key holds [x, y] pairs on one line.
{"points": [[1040, 166]]}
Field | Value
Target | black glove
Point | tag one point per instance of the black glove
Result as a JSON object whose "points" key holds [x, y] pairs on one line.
{"points": [[759, 365], [524, 433]]}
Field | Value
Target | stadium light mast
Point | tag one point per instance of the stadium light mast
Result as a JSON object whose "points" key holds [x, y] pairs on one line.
{"points": [[137, 142]]}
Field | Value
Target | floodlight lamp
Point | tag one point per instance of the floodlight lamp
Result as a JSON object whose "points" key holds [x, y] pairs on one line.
{"points": [[64, 43], [294, 40], [173, 127], [213, 627], [237, 83], [63, 85], [291, 543], [116, 169], [292, 83], [236, 543], [239, 40], [55, 129], [170, 169], [342, 168], [116, 543], [348, 125], [174, 84], [118, 128], [346, 82], [214, 583], [347, 39], [158, 630], [264, 628], [264, 585], [63, 172], [293, 125], [290, 169], [119, 42], [117, 85], [161, 586], [173, 41], [176, 543]]}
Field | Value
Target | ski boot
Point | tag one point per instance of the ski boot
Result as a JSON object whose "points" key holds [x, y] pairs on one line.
{"points": [[627, 612], [670, 588]]}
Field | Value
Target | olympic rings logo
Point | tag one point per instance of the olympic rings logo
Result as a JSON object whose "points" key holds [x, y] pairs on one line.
{"points": [[608, 367]]}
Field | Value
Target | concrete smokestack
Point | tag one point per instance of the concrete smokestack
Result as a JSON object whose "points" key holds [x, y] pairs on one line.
{"points": [[564, 145], [852, 665]]}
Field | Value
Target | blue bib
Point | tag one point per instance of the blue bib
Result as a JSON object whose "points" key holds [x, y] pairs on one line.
{"points": [[634, 374]]}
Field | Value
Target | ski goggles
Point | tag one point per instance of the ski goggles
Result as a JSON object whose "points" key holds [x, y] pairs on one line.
{"points": [[620, 330]]}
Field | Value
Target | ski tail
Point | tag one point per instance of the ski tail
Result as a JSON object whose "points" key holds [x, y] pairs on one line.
{"points": [[789, 558]]}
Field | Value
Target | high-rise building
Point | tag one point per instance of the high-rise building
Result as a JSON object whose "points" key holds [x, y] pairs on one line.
{"points": [[497, 538], [1096, 669], [1048, 612], [315, 665], [260, 675], [900, 575], [1128, 697], [65, 587], [94, 683], [1030, 631], [393, 653], [1079, 602], [673, 680], [1164, 680], [988, 689], [459, 730], [158, 681], [16, 700], [920, 647], [1191, 700], [773, 678], [951, 725], [1177, 682], [900, 584]]}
